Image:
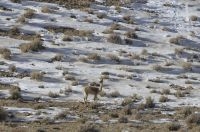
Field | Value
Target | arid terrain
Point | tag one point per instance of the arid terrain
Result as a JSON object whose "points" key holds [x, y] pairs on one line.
{"points": [[145, 52]]}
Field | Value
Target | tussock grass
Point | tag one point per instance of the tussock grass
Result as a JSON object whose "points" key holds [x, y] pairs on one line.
{"points": [[5, 53], [35, 45]]}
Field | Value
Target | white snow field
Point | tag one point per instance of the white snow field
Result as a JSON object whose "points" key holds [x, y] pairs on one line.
{"points": [[164, 54]]}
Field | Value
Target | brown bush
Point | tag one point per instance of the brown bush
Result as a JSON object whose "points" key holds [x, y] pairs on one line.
{"points": [[163, 99], [15, 93], [36, 76], [173, 126], [176, 40], [114, 58], [12, 68], [3, 114], [193, 18], [131, 34], [57, 57], [67, 38], [94, 56], [101, 15], [35, 45], [46, 9], [193, 119], [29, 13], [186, 66], [5, 53], [114, 38], [149, 103]]}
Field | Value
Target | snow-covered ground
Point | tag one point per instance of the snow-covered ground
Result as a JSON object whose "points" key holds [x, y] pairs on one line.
{"points": [[156, 23]]}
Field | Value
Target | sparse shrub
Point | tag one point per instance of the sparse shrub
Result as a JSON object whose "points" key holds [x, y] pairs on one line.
{"points": [[88, 20], [3, 114], [5, 53], [88, 128], [128, 41], [186, 66], [29, 13], [101, 15], [105, 73], [186, 111], [163, 99], [61, 115], [35, 45], [115, 26], [127, 110], [127, 100], [131, 34], [15, 93], [12, 68], [36, 76], [115, 94], [176, 40], [21, 19], [179, 94], [74, 83], [57, 57], [46, 9], [118, 9], [157, 67], [108, 31], [144, 52], [178, 51], [149, 103], [84, 59], [166, 91], [16, 1], [114, 58], [94, 56], [67, 38], [173, 126], [105, 118], [123, 119], [114, 114], [102, 94], [70, 77], [39, 106], [53, 95], [193, 119], [114, 38], [135, 56], [127, 18], [193, 18]]}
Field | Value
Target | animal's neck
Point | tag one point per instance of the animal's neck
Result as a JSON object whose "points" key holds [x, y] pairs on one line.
{"points": [[101, 86]]}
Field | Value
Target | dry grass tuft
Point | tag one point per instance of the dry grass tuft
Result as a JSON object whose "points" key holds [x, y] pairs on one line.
{"points": [[115, 94], [57, 57], [173, 126], [37, 76], [5, 53], [114, 58], [193, 18], [3, 114], [53, 95], [163, 99], [12, 68], [193, 119], [131, 34], [46, 9], [186, 66], [114, 38], [35, 45], [29, 13], [15, 93], [94, 56]]}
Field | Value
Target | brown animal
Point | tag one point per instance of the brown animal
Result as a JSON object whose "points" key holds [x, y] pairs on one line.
{"points": [[94, 90]]}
